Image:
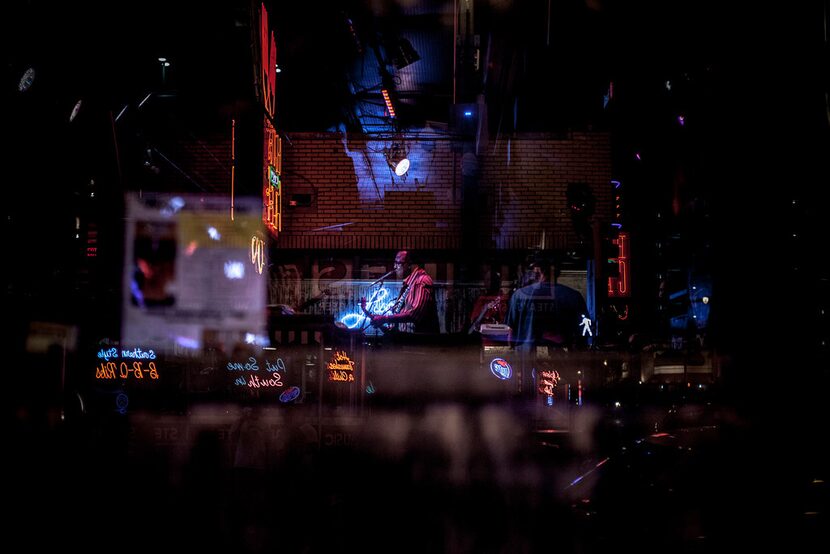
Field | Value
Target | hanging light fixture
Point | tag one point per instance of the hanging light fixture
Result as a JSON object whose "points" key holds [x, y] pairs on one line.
{"points": [[396, 157]]}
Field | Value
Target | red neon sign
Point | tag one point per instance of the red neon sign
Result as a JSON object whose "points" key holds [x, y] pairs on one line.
{"points": [[619, 286], [271, 184], [268, 63]]}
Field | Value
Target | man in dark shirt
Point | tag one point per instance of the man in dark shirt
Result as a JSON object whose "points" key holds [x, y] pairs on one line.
{"points": [[415, 310], [545, 313]]}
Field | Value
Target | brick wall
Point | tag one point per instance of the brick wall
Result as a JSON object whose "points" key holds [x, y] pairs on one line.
{"points": [[520, 188]]}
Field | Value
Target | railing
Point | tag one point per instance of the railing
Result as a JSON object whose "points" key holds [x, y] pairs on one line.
{"points": [[338, 298]]}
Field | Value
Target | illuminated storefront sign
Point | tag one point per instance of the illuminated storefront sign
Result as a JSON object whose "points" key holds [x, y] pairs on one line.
{"points": [[501, 368], [272, 186], [341, 368], [272, 157], [125, 370], [619, 286], [380, 302], [546, 381], [268, 63], [290, 394], [258, 253], [245, 373], [134, 353], [136, 364]]}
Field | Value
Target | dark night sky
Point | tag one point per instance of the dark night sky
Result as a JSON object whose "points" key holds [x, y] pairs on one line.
{"points": [[753, 54]]}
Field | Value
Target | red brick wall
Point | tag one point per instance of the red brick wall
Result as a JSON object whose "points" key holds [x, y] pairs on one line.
{"points": [[519, 197]]}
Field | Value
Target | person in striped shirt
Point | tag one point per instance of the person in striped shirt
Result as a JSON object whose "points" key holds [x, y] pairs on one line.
{"points": [[415, 310]]}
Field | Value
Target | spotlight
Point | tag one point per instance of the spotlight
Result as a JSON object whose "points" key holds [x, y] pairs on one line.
{"points": [[402, 167], [396, 157]]}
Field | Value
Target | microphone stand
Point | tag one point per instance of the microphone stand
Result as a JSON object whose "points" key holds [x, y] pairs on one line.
{"points": [[382, 279]]}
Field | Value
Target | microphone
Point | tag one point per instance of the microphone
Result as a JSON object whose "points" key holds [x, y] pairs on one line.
{"points": [[382, 278]]}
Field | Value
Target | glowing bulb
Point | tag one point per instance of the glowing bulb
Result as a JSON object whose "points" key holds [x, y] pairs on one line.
{"points": [[402, 167]]}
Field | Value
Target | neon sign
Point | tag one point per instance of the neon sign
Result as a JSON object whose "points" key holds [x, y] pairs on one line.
{"points": [[619, 286], [124, 370], [272, 186], [272, 166], [258, 253], [137, 353], [501, 368], [381, 302], [341, 368], [268, 63], [254, 381], [136, 364], [290, 394], [547, 381]]}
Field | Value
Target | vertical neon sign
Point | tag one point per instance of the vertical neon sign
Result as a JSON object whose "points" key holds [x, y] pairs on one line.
{"points": [[268, 63], [272, 185], [272, 144], [619, 286]]}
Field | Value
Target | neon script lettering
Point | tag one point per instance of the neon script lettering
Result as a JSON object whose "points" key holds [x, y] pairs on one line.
{"points": [[251, 365], [275, 380], [111, 370], [135, 353], [341, 368]]}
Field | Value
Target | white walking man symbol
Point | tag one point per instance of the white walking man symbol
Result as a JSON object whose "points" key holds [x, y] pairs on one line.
{"points": [[586, 326]]}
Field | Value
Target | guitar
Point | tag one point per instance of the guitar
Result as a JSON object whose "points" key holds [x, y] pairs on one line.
{"points": [[371, 316]]}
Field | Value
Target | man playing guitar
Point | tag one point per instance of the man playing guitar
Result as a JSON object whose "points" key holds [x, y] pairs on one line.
{"points": [[415, 310]]}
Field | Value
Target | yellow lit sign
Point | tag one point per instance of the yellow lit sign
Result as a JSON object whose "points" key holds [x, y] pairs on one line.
{"points": [[341, 368], [271, 185], [258, 253], [125, 370]]}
